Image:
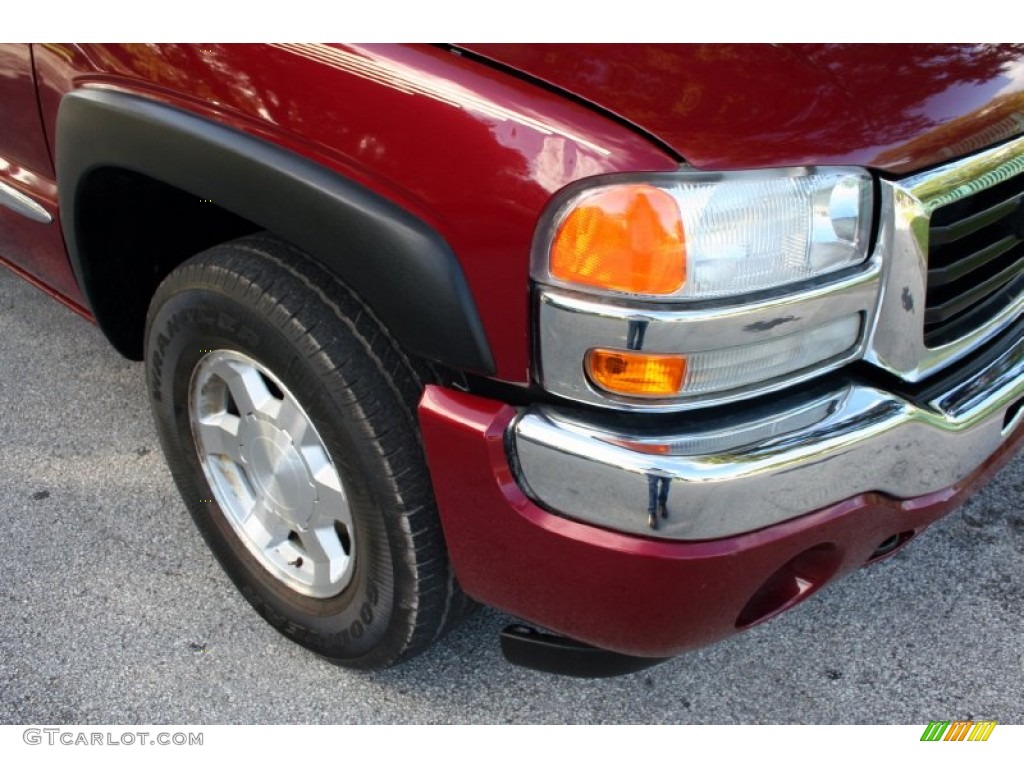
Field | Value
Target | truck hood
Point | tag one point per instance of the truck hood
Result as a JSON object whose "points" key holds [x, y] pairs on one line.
{"points": [[895, 108]]}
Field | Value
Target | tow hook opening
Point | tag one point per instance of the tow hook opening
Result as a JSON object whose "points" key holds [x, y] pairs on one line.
{"points": [[793, 583], [890, 545], [1012, 417]]}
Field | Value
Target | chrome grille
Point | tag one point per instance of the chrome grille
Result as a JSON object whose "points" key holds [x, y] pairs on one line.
{"points": [[975, 260], [930, 226]]}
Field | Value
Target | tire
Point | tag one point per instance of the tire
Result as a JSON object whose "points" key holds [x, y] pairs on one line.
{"points": [[287, 416]]}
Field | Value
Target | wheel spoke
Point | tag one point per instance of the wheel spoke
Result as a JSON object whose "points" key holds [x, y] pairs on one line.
{"points": [[264, 529], [332, 504], [324, 549], [219, 435], [318, 462], [248, 390], [293, 421]]}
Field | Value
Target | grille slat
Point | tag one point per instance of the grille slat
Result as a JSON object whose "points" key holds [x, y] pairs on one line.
{"points": [[941, 235], [965, 300], [939, 276], [975, 261]]}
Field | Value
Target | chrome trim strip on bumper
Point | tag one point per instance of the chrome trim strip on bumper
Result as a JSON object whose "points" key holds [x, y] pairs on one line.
{"points": [[824, 450], [23, 204]]}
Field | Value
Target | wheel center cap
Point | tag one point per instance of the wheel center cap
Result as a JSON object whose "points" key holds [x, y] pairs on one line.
{"points": [[277, 471]]}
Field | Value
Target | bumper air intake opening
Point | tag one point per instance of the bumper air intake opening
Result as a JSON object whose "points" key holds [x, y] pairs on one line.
{"points": [[794, 582]]}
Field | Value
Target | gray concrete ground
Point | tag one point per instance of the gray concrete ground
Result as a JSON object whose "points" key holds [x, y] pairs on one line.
{"points": [[114, 612]]}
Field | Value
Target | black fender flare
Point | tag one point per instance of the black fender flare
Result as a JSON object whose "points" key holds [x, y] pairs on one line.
{"points": [[404, 270]]}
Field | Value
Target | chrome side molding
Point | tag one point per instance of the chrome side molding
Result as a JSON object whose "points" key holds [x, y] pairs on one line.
{"points": [[23, 204]]}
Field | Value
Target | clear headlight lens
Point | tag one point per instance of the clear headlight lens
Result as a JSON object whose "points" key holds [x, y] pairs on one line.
{"points": [[706, 236], [735, 367]]}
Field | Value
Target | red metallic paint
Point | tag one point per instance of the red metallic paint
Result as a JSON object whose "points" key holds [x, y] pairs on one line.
{"points": [[37, 250], [627, 594], [897, 108], [474, 152], [75, 306], [22, 139]]}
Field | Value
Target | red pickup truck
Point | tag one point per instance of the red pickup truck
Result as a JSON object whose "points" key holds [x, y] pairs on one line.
{"points": [[642, 344]]}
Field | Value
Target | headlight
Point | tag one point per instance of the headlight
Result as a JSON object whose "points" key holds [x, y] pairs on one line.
{"points": [[708, 236], [672, 291]]}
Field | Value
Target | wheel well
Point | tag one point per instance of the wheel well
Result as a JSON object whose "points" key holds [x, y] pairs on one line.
{"points": [[133, 230], [124, 163]]}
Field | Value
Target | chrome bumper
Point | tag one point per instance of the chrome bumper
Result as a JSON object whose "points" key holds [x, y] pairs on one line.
{"points": [[757, 468]]}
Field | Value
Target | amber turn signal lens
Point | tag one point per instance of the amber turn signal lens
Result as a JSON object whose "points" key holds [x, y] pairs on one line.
{"points": [[636, 373], [626, 238]]}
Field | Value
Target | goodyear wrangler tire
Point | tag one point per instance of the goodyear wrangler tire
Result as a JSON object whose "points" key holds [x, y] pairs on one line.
{"points": [[287, 417]]}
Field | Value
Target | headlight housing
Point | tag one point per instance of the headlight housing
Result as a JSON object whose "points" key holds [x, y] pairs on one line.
{"points": [[669, 291], [693, 236]]}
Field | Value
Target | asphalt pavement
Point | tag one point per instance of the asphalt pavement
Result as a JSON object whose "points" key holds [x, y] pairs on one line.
{"points": [[114, 612]]}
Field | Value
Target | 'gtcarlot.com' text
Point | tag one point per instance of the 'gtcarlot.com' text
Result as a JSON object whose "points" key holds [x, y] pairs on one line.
{"points": [[71, 737]]}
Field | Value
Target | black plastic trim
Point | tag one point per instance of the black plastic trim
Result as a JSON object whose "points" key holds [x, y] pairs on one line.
{"points": [[968, 297], [965, 265], [961, 228], [554, 654], [401, 268]]}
